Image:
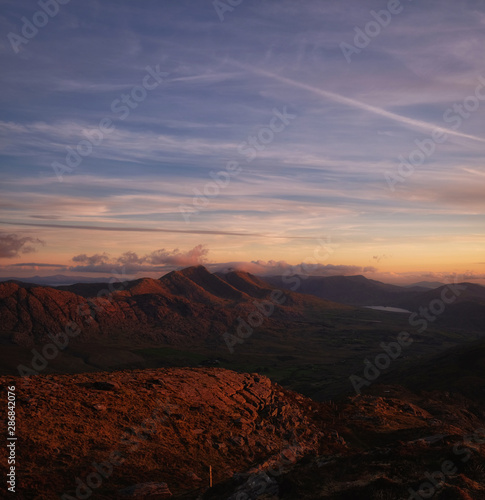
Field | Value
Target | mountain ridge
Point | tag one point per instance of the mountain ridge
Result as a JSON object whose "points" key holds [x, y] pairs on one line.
{"points": [[191, 303]]}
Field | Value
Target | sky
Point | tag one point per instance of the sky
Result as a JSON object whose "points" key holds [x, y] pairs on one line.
{"points": [[332, 137]]}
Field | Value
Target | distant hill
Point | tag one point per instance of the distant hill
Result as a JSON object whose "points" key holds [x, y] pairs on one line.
{"points": [[426, 284], [57, 279]]}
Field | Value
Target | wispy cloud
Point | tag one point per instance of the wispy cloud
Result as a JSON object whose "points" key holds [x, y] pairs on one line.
{"points": [[148, 230]]}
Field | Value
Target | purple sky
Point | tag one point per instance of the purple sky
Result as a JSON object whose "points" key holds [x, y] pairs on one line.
{"points": [[155, 135]]}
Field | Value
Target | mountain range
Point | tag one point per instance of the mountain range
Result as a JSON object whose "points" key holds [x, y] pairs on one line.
{"points": [[188, 304]]}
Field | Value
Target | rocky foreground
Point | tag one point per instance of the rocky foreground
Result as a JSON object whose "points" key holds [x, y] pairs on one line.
{"points": [[158, 433], [153, 426]]}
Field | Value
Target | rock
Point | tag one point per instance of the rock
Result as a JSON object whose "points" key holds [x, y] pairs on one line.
{"points": [[238, 440], [152, 491], [255, 487]]}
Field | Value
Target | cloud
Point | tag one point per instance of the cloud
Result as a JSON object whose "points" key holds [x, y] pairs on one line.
{"points": [[36, 264], [268, 268], [162, 261], [12, 244], [378, 258], [130, 263], [94, 260], [148, 230], [193, 257]]}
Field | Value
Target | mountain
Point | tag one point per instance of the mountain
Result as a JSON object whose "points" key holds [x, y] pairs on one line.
{"points": [[158, 432], [460, 306], [191, 304]]}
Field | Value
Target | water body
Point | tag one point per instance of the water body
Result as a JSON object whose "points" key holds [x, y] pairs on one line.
{"points": [[388, 309]]}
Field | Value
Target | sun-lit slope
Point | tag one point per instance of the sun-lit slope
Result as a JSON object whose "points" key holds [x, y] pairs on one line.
{"points": [[189, 304], [198, 283], [168, 425]]}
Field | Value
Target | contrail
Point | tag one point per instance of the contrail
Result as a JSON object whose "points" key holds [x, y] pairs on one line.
{"points": [[473, 171], [354, 103]]}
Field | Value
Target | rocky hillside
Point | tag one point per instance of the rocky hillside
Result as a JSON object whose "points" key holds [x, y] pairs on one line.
{"points": [[192, 304], [166, 426], [156, 434]]}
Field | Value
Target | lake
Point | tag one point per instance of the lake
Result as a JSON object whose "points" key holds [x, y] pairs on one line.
{"points": [[388, 309]]}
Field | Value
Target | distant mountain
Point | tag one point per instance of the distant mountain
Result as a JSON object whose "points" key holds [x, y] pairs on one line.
{"points": [[465, 310], [191, 304], [352, 290], [461, 306], [426, 284], [57, 279]]}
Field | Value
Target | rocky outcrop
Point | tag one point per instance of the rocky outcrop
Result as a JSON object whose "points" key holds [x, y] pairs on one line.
{"points": [[157, 426]]}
